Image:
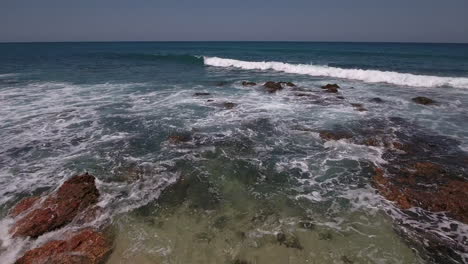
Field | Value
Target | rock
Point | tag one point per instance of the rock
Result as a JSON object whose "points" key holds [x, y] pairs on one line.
{"points": [[84, 247], [329, 135], [340, 97], [57, 209], [423, 100], [359, 107], [244, 83], [289, 84], [376, 100], [178, 139], [201, 94], [331, 88], [288, 241], [273, 87], [210, 100], [229, 105], [425, 185]]}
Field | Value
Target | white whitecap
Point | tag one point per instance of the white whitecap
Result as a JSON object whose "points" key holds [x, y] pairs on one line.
{"points": [[370, 76]]}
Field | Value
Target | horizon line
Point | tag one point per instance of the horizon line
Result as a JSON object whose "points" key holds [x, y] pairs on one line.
{"points": [[187, 41]]}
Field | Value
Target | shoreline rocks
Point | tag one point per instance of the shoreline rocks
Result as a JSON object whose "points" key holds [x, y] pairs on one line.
{"points": [[273, 87], [331, 88], [247, 83], [85, 246], [54, 210]]}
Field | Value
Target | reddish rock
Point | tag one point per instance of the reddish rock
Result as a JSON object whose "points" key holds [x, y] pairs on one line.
{"points": [[57, 209], [425, 185], [328, 135], [177, 139], [272, 87], [84, 247], [23, 205]]}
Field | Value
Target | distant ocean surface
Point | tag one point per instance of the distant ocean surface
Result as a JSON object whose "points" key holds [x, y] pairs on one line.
{"points": [[110, 108]]}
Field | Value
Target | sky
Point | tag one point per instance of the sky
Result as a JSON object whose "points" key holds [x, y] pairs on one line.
{"points": [[235, 20]]}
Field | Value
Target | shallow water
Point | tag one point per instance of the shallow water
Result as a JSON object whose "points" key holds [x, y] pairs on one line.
{"points": [[255, 183]]}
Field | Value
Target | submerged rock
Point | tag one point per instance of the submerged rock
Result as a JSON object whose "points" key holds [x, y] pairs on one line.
{"points": [[244, 83], [289, 84], [329, 135], [178, 139], [87, 246], [376, 100], [359, 107], [331, 88], [423, 100], [201, 94], [229, 105], [273, 87], [55, 210]]}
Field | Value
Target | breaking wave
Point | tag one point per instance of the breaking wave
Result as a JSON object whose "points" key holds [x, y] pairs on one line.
{"points": [[370, 76]]}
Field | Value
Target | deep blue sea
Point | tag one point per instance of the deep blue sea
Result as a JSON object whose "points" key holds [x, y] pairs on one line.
{"points": [[254, 160]]}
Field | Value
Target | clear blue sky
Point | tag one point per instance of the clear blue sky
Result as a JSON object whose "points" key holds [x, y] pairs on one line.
{"points": [[303, 20]]}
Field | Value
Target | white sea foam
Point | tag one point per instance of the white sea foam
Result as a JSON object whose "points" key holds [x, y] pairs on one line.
{"points": [[370, 76]]}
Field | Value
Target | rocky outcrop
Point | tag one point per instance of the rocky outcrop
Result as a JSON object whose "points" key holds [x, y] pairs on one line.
{"points": [[178, 139], [426, 185], [229, 105], [331, 88], [273, 87], [87, 246], [244, 83], [331, 135], [423, 100], [53, 211]]}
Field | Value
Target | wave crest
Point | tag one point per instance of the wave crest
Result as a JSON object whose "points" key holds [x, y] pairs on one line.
{"points": [[370, 76]]}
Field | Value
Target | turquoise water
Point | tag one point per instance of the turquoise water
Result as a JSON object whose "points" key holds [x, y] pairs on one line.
{"points": [[253, 171]]}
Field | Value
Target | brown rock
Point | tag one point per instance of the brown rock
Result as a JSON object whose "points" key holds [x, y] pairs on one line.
{"points": [[248, 83], [58, 209], [272, 87], [423, 100], [84, 247], [328, 135], [23, 205], [177, 139], [229, 105], [425, 185]]}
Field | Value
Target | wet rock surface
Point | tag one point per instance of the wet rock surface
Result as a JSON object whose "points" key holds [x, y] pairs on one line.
{"points": [[331, 88], [273, 87], [86, 246], [246, 83], [423, 100], [55, 210]]}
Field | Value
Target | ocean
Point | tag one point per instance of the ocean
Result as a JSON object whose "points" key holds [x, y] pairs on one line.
{"points": [[145, 116]]}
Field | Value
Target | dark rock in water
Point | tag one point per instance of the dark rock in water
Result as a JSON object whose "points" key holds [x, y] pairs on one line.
{"points": [[423, 100], [201, 94], [329, 135], [177, 139], [346, 260], [57, 209], [229, 105], [325, 236], [340, 97], [288, 241], [376, 100], [87, 246], [210, 100], [328, 86], [289, 84], [244, 83], [359, 107], [272, 87]]}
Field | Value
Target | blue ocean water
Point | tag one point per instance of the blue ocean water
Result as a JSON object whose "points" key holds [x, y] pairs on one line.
{"points": [[109, 108]]}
